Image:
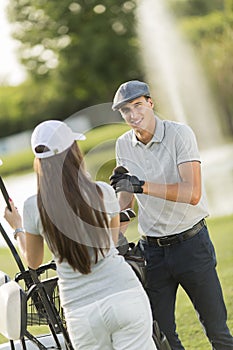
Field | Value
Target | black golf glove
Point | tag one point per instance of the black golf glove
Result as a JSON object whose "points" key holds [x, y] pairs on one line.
{"points": [[122, 181], [116, 175]]}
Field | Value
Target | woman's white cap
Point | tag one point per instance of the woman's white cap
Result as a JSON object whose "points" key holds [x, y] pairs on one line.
{"points": [[55, 135]]}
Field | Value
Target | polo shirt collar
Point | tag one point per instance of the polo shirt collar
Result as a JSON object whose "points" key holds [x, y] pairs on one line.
{"points": [[158, 135]]}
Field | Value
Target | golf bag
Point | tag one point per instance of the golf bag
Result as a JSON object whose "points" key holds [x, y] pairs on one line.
{"points": [[134, 256]]}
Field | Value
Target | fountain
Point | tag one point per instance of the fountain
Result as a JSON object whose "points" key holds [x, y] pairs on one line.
{"points": [[178, 82], [174, 73]]}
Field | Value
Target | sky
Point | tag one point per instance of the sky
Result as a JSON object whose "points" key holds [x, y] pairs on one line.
{"points": [[10, 69]]}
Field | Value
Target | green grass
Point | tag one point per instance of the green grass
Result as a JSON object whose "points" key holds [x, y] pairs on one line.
{"points": [[100, 138], [100, 159], [188, 326]]}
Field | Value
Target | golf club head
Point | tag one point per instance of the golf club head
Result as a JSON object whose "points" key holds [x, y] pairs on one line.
{"points": [[124, 216], [127, 215], [131, 213], [120, 170]]}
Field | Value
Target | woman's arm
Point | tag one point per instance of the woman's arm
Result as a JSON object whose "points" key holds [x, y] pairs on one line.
{"points": [[34, 251], [31, 246], [126, 200], [115, 228]]}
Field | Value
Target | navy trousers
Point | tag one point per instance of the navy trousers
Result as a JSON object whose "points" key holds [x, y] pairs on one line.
{"points": [[192, 265]]}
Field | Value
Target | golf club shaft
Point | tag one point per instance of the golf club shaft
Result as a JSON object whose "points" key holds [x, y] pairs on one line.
{"points": [[3, 232], [5, 193], [12, 248]]}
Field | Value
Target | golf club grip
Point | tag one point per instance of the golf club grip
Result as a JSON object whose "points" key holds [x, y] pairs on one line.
{"points": [[5, 193]]}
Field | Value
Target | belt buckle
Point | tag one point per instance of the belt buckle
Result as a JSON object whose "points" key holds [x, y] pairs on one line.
{"points": [[159, 240]]}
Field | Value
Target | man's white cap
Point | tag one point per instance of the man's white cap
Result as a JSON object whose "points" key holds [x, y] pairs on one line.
{"points": [[55, 135]]}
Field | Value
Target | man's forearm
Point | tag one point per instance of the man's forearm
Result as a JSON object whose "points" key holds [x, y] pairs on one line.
{"points": [[183, 192]]}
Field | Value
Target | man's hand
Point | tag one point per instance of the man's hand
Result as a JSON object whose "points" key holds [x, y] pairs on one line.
{"points": [[122, 181], [116, 175]]}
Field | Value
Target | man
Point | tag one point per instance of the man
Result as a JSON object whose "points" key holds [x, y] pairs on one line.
{"points": [[158, 163]]}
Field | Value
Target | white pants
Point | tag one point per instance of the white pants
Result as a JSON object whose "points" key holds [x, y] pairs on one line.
{"points": [[122, 321]]}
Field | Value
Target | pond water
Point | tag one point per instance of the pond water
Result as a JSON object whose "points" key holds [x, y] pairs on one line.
{"points": [[19, 188]]}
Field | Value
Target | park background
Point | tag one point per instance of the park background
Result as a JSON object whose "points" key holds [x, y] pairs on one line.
{"points": [[76, 54]]}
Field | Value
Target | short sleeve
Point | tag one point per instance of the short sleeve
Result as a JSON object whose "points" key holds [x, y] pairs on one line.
{"points": [[186, 145], [118, 158], [111, 203], [123, 144], [31, 216]]}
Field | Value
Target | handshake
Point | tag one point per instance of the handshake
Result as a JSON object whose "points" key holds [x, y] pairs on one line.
{"points": [[120, 180]]}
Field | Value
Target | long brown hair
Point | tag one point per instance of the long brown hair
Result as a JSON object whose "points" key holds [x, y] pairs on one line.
{"points": [[72, 210]]}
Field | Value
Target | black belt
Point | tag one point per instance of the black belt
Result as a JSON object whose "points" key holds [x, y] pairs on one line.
{"points": [[177, 238]]}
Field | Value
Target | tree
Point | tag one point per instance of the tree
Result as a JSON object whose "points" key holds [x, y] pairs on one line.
{"points": [[208, 25], [186, 8], [85, 49]]}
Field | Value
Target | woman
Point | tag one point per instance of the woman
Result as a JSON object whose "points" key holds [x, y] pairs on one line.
{"points": [[104, 303]]}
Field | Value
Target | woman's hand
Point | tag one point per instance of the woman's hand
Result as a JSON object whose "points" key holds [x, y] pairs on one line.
{"points": [[13, 217]]}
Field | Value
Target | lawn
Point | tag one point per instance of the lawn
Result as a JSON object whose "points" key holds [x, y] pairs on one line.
{"points": [[189, 329], [100, 160]]}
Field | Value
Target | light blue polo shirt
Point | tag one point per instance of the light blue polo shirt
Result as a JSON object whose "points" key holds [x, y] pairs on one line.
{"points": [[172, 144]]}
